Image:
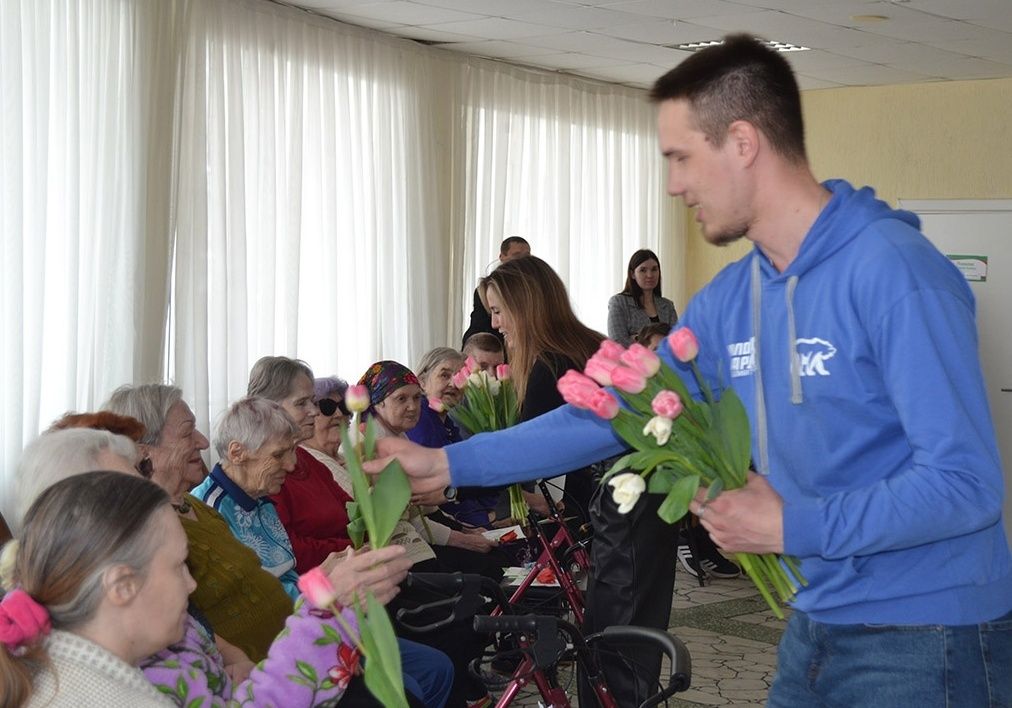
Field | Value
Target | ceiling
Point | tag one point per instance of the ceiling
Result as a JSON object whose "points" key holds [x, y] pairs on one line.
{"points": [[852, 42]]}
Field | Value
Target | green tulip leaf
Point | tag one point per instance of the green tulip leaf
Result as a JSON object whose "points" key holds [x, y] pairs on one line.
{"points": [[676, 504], [661, 481], [356, 531], [369, 444], [390, 497], [383, 659], [629, 427], [715, 489], [359, 485], [731, 423]]}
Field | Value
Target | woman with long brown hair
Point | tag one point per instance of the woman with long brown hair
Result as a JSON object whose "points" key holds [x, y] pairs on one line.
{"points": [[632, 573], [544, 339]]}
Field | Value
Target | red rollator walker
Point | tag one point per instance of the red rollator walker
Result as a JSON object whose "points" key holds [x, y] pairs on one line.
{"points": [[543, 641]]}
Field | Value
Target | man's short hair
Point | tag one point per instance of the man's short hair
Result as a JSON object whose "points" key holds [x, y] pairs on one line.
{"points": [[741, 79], [504, 248], [484, 342]]}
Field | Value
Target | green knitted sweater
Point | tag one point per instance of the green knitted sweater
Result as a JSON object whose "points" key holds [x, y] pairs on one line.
{"points": [[243, 602]]}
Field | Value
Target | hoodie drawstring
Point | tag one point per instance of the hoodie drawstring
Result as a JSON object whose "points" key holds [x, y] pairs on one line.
{"points": [[792, 343], [797, 397], [760, 399]]}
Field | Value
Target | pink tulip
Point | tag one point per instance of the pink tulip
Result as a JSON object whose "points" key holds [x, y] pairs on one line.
{"points": [[667, 404], [610, 349], [437, 404], [502, 372], [317, 588], [459, 379], [639, 358], [471, 365], [684, 344], [357, 398], [599, 368], [604, 405], [577, 389], [628, 380]]}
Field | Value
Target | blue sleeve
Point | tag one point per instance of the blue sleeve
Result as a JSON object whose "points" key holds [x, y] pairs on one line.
{"points": [[926, 347], [554, 443], [559, 441]]}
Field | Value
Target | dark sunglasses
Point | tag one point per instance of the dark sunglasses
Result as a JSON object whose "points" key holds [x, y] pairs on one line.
{"points": [[328, 407], [144, 468]]}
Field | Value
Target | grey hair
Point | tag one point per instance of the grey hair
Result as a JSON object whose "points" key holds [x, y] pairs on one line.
{"points": [[273, 377], [252, 422], [54, 456], [148, 403], [76, 530], [434, 358]]}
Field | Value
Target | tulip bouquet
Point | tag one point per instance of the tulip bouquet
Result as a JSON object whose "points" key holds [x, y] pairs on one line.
{"points": [[489, 403], [679, 443], [377, 507]]}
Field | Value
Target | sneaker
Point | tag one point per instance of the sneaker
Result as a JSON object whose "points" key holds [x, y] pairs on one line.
{"points": [[718, 566]]}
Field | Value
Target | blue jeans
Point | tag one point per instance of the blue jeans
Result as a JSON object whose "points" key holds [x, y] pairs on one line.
{"points": [[428, 673], [893, 666]]}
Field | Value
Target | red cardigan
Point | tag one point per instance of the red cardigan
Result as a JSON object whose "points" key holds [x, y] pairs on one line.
{"points": [[311, 506]]}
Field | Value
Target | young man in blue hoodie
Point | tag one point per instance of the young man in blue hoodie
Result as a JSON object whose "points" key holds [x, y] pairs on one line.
{"points": [[851, 341]]}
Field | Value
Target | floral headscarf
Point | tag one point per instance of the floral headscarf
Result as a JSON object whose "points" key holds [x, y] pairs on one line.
{"points": [[385, 377]]}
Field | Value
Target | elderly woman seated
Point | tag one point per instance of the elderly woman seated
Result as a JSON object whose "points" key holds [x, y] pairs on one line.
{"points": [[474, 506], [396, 402], [58, 454], [311, 505], [99, 589], [243, 603], [255, 440]]}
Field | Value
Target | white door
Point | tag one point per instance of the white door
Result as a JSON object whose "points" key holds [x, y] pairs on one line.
{"points": [[980, 231]]}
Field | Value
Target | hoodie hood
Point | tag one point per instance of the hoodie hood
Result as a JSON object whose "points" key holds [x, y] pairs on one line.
{"points": [[848, 213]]}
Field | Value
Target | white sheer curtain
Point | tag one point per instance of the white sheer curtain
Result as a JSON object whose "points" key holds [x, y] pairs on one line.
{"points": [[188, 185], [574, 168], [83, 223], [309, 203]]}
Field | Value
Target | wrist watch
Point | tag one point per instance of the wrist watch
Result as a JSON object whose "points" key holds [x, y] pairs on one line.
{"points": [[450, 493]]}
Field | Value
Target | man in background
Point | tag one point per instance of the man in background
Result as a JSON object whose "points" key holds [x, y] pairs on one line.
{"points": [[481, 320]]}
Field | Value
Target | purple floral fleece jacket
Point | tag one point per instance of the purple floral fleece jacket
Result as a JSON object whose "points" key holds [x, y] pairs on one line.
{"points": [[309, 663]]}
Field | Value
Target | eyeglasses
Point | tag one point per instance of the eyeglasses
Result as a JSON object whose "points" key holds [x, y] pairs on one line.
{"points": [[328, 407], [144, 468]]}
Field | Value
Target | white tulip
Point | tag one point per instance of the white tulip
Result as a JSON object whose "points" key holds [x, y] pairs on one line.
{"points": [[660, 428], [626, 489]]}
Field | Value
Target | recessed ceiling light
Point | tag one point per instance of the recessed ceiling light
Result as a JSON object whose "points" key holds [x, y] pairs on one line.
{"points": [[773, 44]]}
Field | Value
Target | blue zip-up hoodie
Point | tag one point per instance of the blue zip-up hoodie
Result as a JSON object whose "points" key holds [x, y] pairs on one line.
{"points": [[858, 366]]}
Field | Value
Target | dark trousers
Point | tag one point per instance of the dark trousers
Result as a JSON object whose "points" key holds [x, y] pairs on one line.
{"points": [[632, 579], [457, 640]]}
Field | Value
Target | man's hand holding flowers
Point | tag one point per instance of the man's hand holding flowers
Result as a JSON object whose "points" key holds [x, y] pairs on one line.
{"points": [[745, 520]]}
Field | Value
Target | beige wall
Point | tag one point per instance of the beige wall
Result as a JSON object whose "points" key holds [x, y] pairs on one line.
{"points": [[947, 140]]}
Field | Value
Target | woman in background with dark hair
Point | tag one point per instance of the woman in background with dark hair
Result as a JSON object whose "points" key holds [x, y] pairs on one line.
{"points": [[640, 302]]}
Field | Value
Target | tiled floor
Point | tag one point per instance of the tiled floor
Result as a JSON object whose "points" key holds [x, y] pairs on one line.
{"points": [[732, 638]]}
